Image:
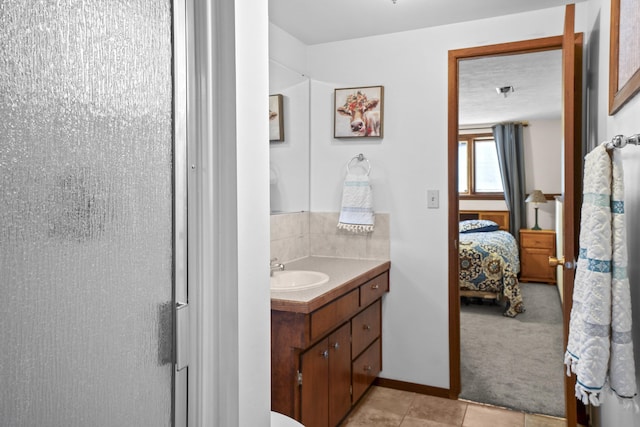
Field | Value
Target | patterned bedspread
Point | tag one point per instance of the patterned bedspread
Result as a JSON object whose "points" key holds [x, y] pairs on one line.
{"points": [[489, 262]]}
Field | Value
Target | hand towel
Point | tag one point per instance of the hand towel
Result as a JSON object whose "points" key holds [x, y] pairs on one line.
{"points": [[356, 214], [599, 349]]}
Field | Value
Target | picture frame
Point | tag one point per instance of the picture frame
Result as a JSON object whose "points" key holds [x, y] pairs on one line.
{"points": [[624, 54], [276, 118], [359, 112]]}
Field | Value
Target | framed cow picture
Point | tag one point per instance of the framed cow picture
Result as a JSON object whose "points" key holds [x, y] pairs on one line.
{"points": [[358, 112], [624, 60], [276, 119]]}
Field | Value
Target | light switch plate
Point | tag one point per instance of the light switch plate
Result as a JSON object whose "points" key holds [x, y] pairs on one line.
{"points": [[433, 199]]}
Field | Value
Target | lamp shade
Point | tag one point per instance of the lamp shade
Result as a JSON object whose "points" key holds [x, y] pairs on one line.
{"points": [[536, 196]]}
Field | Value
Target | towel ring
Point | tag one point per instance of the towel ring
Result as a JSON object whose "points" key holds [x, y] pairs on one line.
{"points": [[360, 157]]}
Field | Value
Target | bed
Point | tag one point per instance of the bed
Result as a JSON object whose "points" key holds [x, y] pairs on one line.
{"points": [[489, 263]]}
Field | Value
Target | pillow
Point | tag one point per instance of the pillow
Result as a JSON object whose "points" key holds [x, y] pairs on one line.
{"points": [[477, 226]]}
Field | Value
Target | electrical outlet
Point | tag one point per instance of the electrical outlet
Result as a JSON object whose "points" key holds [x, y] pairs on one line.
{"points": [[433, 199]]}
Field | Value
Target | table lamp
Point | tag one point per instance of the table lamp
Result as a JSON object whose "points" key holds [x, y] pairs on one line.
{"points": [[536, 197]]}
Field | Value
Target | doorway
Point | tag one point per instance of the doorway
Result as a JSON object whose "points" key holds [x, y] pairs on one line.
{"points": [[571, 56], [526, 349]]}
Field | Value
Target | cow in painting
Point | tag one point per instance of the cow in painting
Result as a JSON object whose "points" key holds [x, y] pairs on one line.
{"points": [[364, 120]]}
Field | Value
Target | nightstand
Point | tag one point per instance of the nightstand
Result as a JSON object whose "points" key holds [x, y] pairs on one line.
{"points": [[536, 246]]}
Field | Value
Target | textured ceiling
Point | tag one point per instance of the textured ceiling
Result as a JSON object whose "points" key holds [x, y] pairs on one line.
{"points": [[535, 77]]}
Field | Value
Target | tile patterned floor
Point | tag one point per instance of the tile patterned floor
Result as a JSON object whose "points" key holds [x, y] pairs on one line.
{"points": [[386, 407]]}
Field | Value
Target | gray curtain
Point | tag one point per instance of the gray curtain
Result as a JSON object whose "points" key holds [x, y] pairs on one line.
{"points": [[510, 147]]}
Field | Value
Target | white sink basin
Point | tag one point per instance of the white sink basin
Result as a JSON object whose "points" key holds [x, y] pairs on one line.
{"points": [[296, 280]]}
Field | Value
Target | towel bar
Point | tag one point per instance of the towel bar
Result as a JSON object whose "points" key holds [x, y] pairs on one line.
{"points": [[620, 141]]}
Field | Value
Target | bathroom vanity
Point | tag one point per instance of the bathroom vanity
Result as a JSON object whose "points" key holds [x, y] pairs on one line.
{"points": [[326, 341]]}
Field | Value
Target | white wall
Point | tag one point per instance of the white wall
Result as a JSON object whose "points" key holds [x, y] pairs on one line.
{"points": [[286, 49], [252, 82], [543, 165], [601, 128], [409, 160]]}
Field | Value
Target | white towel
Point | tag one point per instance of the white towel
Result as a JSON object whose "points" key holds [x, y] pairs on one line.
{"points": [[356, 214], [600, 350], [622, 378]]}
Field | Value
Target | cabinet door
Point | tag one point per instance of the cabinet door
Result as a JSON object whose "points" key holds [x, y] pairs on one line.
{"points": [[339, 374], [315, 386], [535, 265]]}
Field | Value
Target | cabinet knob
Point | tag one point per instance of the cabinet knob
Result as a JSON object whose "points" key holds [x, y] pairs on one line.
{"points": [[336, 346], [367, 368], [366, 327], [375, 286], [325, 354]]}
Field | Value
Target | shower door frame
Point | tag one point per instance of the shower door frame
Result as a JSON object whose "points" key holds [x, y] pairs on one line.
{"points": [[205, 97], [180, 214]]}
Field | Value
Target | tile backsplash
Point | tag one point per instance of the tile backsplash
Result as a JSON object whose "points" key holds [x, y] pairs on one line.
{"points": [[301, 234], [290, 236]]}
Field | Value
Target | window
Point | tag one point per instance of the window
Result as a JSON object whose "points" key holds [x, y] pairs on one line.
{"points": [[478, 169]]}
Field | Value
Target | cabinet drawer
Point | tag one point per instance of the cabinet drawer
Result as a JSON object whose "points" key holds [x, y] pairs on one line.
{"points": [[365, 369], [373, 289], [365, 328], [331, 315], [537, 240]]}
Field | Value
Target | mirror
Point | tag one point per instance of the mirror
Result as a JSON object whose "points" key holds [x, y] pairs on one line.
{"points": [[289, 159]]}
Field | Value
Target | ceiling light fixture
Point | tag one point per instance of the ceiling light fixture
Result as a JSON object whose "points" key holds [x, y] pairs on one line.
{"points": [[504, 90]]}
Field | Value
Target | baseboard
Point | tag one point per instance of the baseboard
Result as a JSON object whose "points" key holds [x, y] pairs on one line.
{"points": [[413, 387]]}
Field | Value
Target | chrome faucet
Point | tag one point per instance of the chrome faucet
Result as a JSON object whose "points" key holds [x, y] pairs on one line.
{"points": [[275, 265]]}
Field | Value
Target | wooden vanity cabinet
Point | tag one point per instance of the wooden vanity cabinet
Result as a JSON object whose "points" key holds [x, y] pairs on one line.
{"points": [[323, 361], [326, 384]]}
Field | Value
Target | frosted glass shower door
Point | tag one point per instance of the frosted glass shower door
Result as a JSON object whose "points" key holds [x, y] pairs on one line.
{"points": [[86, 255]]}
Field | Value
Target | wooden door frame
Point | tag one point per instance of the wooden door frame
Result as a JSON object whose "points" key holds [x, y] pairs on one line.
{"points": [[511, 48], [572, 64]]}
